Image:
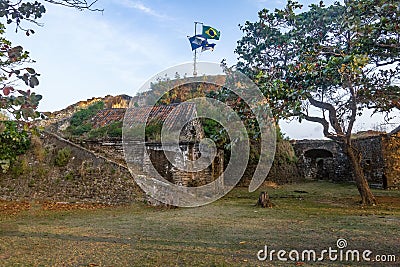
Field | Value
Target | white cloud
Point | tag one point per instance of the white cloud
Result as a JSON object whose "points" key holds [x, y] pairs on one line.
{"points": [[142, 8], [81, 55]]}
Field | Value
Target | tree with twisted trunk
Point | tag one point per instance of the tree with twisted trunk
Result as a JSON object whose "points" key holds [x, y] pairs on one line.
{"points": [[326, 65]]}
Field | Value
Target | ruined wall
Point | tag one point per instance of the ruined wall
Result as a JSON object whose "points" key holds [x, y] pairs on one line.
{"points": [[372, 160], [110, 148], [322, 160], [113, 149], [188, 151], [391, 156], [85, 176], [380, 159]]}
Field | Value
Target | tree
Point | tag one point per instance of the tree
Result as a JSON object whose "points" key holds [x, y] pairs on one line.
{"points": [[19, 102], [15, 101], [13, 142], [326, 59]]}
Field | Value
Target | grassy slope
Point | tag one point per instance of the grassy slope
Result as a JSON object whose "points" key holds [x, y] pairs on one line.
{"points": [[228, 232]]}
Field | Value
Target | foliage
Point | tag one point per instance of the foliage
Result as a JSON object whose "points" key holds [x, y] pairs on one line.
{"points": [[82, 115], [19, 11], [19, 102], [13, 142], [326, 58], [241, 108], [153, 131], [215, 131], [167, 91], [113, 130], [63, 157], [80, 129], [81, 125], [80, 121], [322, 58]]}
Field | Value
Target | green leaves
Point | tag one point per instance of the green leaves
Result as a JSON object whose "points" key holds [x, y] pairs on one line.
{"points": [[13, 142], [16, 12], [19, 102], [330, 54]]}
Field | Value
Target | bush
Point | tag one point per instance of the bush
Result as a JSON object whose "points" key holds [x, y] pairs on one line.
{"points": [[98, 133], [79, 122], [20, 167], [112, 130], [115, 129], [37, 147], [13, 142], [153, 131], [62, 158], [81, 129], [82, 115]]}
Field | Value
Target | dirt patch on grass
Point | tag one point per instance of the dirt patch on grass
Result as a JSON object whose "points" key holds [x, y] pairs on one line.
{"points": [[388, 200], [13, 207], [72, 206]]}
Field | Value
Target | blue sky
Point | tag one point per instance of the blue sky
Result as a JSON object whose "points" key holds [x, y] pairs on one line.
{"points": [[86, 54]]}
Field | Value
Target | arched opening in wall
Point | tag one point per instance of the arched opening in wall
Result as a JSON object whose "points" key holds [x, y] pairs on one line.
{"points": [[319, 163], [318, 153]]}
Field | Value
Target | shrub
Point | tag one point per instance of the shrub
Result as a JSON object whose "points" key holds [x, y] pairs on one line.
{"points": [[20, 167], [81, 129], [112, 130], [82, 115], [79, 122], [13, 142], [153, 131], [38, 150], [115, 129], [62, 158]]}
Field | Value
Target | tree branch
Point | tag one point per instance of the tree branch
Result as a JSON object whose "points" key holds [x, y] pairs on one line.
{"points": [[331, 111], [388, 62], [322, 121], [353, 108], [78, 4], [396, 130]]}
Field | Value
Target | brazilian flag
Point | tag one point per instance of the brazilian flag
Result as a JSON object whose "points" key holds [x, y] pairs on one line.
{"points": [[210, 33]]}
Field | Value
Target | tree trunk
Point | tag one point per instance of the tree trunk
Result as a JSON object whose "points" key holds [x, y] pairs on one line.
{"points": [[367, 198], [264, 201]]}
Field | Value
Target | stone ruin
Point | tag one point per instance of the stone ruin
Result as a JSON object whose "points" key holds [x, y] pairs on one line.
{"points": [[154, 157], [325, 160], [317, 159]]}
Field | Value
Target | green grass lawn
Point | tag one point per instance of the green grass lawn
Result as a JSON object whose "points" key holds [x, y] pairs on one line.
{"points": [[228, 232]]}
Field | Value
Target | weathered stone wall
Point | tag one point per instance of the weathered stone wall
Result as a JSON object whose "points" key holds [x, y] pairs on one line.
{"points": [[109, 148], [166, 159], [380, 159], [113, 149], [322, 159], [371, 158], [86, 177], [391, 156]]}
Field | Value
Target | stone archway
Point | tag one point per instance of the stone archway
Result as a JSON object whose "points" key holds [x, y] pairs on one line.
{"points": [[319, 164]]}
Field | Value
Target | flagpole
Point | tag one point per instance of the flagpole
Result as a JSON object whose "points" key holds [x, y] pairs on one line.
{"points": [[195, 51]]}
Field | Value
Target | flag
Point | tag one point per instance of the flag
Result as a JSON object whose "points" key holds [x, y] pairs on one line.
{"points": [[210, 33], [206, 46], [196, 41]]}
